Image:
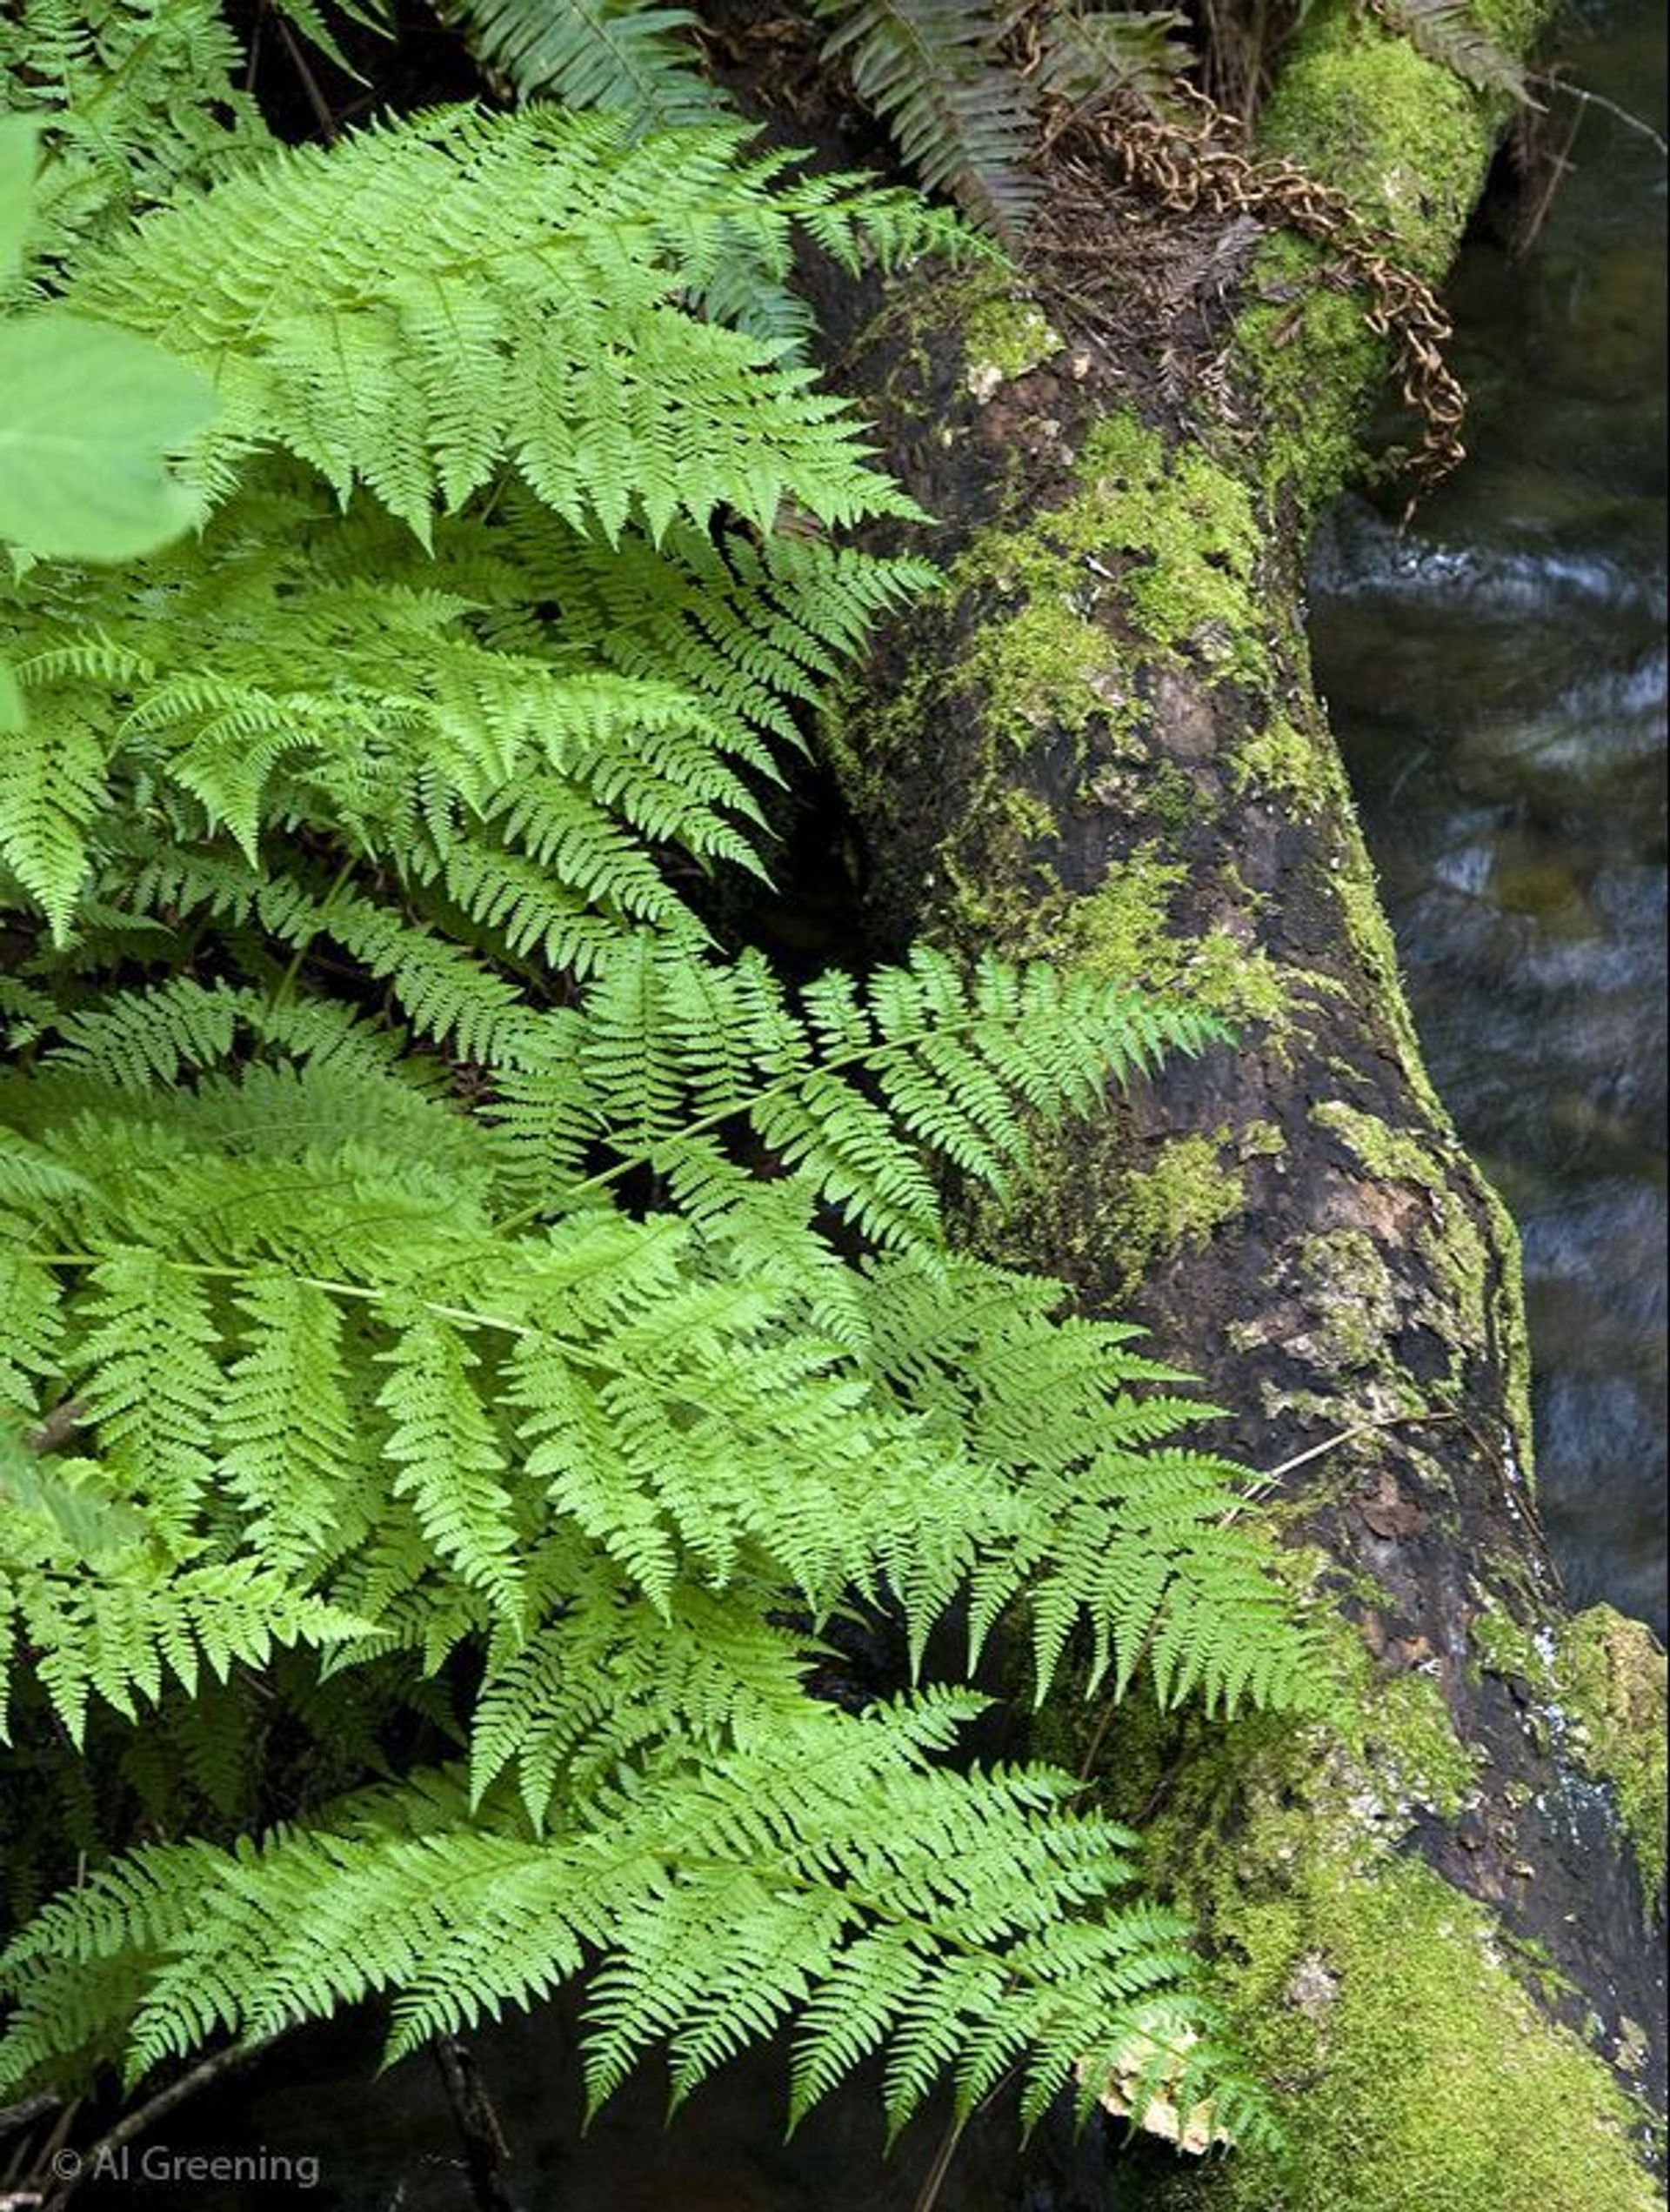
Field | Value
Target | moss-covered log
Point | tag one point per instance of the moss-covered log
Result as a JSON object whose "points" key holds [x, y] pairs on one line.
{"points": [[1101, 745]]}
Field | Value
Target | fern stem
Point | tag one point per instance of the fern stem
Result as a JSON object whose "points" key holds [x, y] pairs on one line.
{"points": [[935, 2180], [305, 945]]}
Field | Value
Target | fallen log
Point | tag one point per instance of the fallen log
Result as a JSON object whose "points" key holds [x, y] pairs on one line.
{"points": [[1100, 744]]}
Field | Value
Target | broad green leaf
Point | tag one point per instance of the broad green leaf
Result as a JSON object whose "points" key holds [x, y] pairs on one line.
{"points": [[13, 715], [88, 414]]}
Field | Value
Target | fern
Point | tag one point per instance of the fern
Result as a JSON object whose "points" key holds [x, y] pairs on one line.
{"points": [[879, 1861], [598, 54], [932, 69], [450, 1296], [416, 307], [1446, 31], [1088, 56], [138, 98]]}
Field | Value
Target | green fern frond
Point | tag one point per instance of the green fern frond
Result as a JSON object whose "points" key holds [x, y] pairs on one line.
{"points": [[145, 1371], [30, 1328], [962, 116], [451, 1465], [881, 1865], [122, 1635], [597, 54], [949, 1063], [52, 789], [1089, 55], [523, 275], [1447, 31], [287, 1447], [138, 99], [308, 19]]}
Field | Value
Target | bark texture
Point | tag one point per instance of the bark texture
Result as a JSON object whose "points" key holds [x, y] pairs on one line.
{"points": [[1101, 745]]}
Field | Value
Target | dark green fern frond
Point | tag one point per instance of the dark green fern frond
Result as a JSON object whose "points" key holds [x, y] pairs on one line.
{"points": [[961, 115], [1089, 55], [597, 54], [1448, 32]]}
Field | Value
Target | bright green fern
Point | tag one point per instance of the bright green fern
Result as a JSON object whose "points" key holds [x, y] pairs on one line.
{"points": [[456, 1306]]}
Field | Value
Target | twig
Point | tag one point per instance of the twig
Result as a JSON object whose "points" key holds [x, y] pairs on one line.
{"points": [[485, 2153], [144, 2116], [1332, 1444], [316, 99], [1611, 107], [13, 2117], [1555, 170], [935, 2182], [54, 1432]]}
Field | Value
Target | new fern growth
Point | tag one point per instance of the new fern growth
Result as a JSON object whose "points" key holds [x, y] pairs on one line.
{"points": [[451, 1298]]}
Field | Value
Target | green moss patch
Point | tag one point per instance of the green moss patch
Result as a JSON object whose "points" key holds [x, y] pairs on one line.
{"points": [[1610, 1677], [1405, 139], [1178, 536], [1047, 667], [1412, 2068], [1003, 338], [1414, 2072], [1190, 1187]]}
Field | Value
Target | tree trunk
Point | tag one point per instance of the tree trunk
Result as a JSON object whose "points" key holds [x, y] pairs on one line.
{"points": [[1101, 745]]}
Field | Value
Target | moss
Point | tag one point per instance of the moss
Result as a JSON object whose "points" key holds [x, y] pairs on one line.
{"points": [[1183, 532], [1387, 2012], [1451, 1243], [1122, 932], [1259, 1140], [1281, 760], [1238, 982], [1512, 1334], [1418, 2075], [1610, 1675], [1190, 1189], [1045, 667], [1504, 1648], [1309, 357], [1411, 1725], [1406, 139], [1356, 1299], [864, 763], [1003, 338], [1478, 1265], [1196, 526], [1174, 798]]}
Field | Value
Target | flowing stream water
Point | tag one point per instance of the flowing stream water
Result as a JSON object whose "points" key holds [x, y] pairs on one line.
{"points": [[1497, 681]]}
